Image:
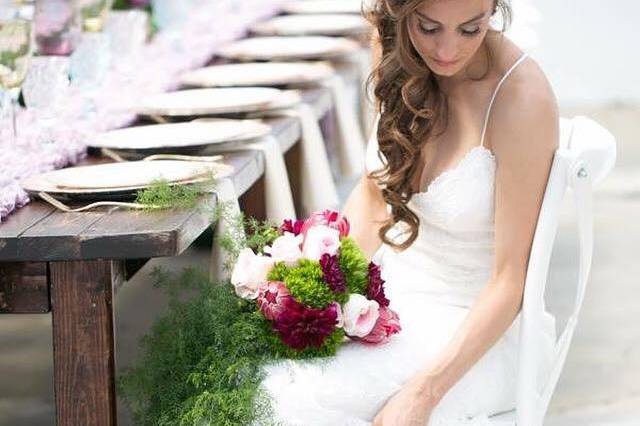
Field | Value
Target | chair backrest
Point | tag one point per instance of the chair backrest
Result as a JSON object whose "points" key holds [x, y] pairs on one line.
{"points": [[586, 154]]}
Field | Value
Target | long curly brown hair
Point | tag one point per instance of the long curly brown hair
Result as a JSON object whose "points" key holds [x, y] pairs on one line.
{"points": [[412, 108]]}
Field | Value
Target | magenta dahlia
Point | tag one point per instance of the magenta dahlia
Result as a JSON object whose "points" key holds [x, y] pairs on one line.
{"points": [[295, 227], [332, 274], [300, 326], [272, 298], [375, 289]]}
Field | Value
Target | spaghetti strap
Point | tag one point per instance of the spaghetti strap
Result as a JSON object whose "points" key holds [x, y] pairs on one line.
{"points": [[495, 92]]}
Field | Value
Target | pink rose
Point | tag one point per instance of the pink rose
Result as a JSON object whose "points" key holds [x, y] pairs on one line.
{"points": [[250, 273], [330, 218], [320, 240], [286, 248], [272, 299], [360, 315], [387, 324]]}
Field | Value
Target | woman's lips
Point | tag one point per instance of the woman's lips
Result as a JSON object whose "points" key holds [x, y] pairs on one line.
{"points": [[444, 64]]}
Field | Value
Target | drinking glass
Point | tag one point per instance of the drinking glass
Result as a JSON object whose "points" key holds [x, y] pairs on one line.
{"points": [[16, 48], [45, 89]]}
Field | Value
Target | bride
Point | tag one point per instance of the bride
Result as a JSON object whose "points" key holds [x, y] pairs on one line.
{"points": [[457, 169]]}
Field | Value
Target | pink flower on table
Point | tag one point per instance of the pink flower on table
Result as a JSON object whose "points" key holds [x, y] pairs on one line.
{"points": [[320, 240], [300, 326], [360, 315], [272, 299], [285, 248], [250, 273], [387, 324], [330, 218]]}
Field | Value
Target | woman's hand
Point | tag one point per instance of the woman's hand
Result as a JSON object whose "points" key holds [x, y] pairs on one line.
{"points": [[410, 406]]}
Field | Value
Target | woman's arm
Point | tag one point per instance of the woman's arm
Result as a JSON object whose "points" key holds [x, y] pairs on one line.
{"points": [[524, 140], [366, 210]]}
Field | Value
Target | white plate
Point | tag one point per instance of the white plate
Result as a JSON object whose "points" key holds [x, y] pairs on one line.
{"points": [[258, 74], [288, 48], [208, 101], [181, 135], [317, 24], [125, 176], [324, 6]]}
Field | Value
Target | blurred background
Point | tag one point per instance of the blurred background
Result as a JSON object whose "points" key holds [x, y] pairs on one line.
{"points": [[589, 51]]}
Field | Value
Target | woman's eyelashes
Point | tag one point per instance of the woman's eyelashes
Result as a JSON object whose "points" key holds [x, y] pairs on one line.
{"points": [[429, 30]]}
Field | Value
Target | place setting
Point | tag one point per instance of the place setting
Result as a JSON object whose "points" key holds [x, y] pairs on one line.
{"points": [[187, 139], [112, 184], [326, 6], [206, 105], [288, 48], [297, 74], [325, 24]]}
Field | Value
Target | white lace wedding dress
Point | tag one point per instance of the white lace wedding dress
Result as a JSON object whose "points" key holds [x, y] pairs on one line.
{"points": [[432, 286]]}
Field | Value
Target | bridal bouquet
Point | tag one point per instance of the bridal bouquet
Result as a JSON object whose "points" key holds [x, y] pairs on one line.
{"points": [[315, 287], [299, 290]]}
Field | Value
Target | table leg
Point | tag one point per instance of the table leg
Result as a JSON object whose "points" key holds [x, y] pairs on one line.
{"points": [[84, 341]]}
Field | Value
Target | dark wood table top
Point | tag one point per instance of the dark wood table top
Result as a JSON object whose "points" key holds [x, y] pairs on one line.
{"points": [[39, 232]]}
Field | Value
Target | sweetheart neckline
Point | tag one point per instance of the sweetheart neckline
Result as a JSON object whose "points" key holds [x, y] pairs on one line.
{"points": [[451, 170]]}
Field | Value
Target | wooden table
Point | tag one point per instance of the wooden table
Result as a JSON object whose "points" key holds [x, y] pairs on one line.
{"points": [[71, 264]]}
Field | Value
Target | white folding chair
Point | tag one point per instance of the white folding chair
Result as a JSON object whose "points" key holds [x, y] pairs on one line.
{"points": [[586, 154]]}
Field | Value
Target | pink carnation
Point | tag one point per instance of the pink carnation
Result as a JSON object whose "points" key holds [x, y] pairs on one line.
{"points": [[387, 324], [330, 218]]}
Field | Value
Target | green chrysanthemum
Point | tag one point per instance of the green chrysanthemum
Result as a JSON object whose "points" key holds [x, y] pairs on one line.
{"points": [[354, 266], [306, 284]]}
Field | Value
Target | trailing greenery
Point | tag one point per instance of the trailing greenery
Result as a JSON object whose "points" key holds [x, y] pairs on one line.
{"points": [[163, 195], [201, 363]]}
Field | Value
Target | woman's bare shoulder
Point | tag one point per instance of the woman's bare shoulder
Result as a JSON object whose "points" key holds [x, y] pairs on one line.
{"points": [[525, 111]]}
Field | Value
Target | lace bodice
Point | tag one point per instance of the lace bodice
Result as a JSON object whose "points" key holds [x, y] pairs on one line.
{"points": [[455, 243]]}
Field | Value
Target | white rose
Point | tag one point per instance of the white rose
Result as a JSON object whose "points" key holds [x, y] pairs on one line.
{"points": [[319, 240], [250, 273], [359, 315], [285, 248]]}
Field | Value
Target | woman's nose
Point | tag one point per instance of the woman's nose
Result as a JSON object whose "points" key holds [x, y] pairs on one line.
{"points": [[446, 49]]}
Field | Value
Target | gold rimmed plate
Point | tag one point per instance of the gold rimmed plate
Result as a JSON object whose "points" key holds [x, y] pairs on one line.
{"points": [[179, 138], [259, 74], [325, 6], [312, 24], [121, 180], [288, 48], [196, 102]]}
